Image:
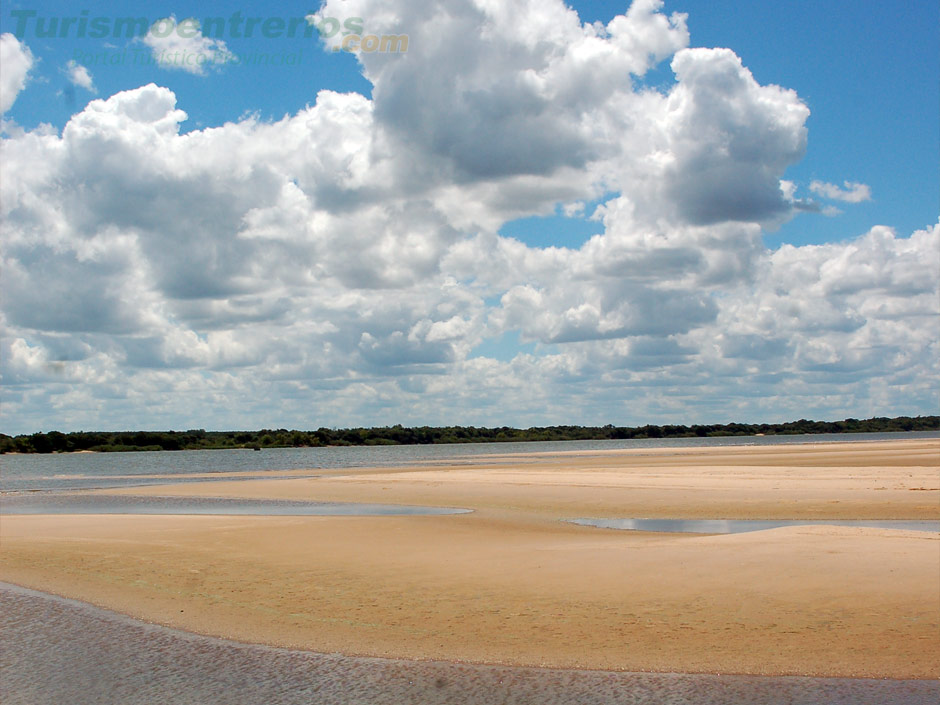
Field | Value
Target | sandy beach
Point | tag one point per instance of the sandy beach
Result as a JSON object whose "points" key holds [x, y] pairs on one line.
{"points": [[512, 584]]}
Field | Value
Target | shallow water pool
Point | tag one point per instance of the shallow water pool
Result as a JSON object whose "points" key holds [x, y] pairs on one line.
{"points": [[68, 503], [738, 526]]}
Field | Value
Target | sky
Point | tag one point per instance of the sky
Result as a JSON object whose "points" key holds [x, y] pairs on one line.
{"points": [[468, 212]]}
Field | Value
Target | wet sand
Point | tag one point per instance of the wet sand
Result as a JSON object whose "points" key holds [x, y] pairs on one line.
{"points": [[89, 656], [511, 584]]}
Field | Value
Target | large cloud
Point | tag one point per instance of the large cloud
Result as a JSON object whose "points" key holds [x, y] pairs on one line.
{"points": [[730, 139], [490, 89], [343, 265]]}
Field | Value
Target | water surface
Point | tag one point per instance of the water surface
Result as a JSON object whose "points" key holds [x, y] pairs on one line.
{"points": [[97, 470]]}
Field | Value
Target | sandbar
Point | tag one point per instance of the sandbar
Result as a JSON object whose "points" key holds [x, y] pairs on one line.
{"points": [[510, 583]]}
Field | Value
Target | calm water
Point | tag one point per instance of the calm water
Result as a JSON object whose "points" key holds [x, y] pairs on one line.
{"points": [[55, 503], [63, 651], [92, 470], [739, 526]]}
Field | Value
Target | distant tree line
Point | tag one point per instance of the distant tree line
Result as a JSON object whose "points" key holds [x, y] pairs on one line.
{"points": [[197, 439]]}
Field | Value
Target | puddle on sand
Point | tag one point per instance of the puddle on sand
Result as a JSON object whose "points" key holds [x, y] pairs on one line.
{"points": [[738, 526], [56, 503], [58, 650]]}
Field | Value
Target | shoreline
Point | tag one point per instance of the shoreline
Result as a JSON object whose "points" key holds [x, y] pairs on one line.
{"points": [[123, 617], [798, 657], [848, 436], [147, 663], [511, 584]]}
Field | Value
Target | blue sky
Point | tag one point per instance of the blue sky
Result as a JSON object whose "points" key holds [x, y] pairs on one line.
{"points": [[270, 91], [865, 71], [417, 219]]}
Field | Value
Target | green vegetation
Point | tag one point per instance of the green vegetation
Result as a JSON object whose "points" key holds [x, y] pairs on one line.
{"points": [[198, 439]]}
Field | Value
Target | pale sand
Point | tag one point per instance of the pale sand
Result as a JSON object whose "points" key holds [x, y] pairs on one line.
{"points": [[512, 584]]}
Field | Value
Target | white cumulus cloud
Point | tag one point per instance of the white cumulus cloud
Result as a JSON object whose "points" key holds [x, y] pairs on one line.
{"points": [[17, 60], [854, 192], [181, 46], [80, 76]]}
